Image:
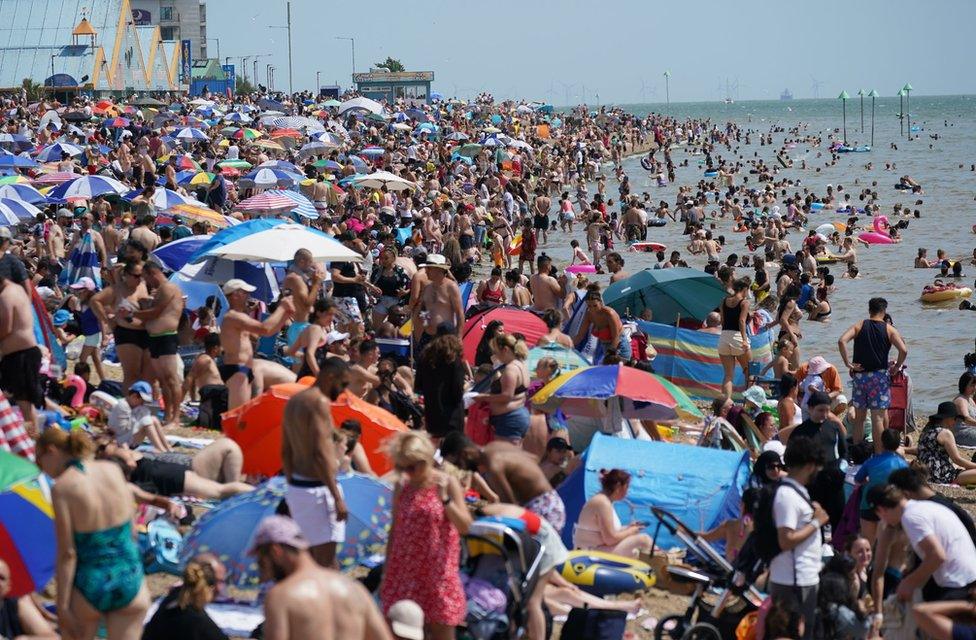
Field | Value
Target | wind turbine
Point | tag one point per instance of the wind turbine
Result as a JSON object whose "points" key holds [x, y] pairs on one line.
{"points": [[815, 87]]}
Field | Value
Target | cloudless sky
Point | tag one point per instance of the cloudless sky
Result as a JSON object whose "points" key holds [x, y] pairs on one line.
{"points": [[619, 49]]}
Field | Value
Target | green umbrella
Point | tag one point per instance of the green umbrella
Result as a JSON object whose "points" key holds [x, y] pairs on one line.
{"points": [[568, 359], [14, 469], [670, 294], [237, 164], [332, 103], [469, 150], [686, 408]]}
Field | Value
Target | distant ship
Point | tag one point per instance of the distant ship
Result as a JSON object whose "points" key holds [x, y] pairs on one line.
{"points": [[786, 95], [729, 101]]}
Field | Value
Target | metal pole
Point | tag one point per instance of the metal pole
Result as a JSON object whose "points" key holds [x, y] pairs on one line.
{"points": [[667, 89], [317, 74], [244, 66], [267, 72], [862, 112], [908, 110], [353, 55], [901, 111], [290, 88], [872, 122], [844, 102]]}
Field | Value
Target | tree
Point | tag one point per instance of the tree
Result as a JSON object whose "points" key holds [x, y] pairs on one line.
{"points": [[34, 90], [243, 87], [391, 64]]}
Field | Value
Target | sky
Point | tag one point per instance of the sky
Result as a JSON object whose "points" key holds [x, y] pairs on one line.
{"points": [[615, 51]]}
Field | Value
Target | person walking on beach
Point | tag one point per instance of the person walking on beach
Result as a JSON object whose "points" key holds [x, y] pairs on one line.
{"points": [[870, 369], [733, 345], [309, 602], [310, 462]]}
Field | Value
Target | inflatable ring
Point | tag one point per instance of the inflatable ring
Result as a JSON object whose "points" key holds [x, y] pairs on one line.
{"points": [[605, 574], [646, 164], [711, 174], [648, 246], [944, 293], [581, 268]]}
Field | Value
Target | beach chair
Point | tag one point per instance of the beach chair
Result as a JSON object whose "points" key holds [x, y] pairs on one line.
{"points": [[754, 437]]}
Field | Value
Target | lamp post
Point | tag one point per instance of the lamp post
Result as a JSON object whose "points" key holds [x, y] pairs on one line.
{"points": [[317, 86], [287, 27], [217, 40], [244, 60], [901, 110], [267, 72], [667, 87], [352, 41], [908, 107], [844, 97], [860, 94], [874, 94]]}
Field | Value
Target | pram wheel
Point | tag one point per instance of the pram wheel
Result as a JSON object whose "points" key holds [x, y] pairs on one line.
{"points": [[702, 631]]}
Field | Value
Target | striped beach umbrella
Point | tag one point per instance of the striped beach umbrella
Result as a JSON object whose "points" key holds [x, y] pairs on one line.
{"points": [[201, 213], [247, 134], [88, 187], [190, 133], [52, 153], [15, 141], [266, 203], [164, 199], [9, 160], [23, 192], [608, 391], [237, 117], [236, 164], [13, 212], [27, 542], [56, 177], [270, 177], [303, 206], [117, 122]]}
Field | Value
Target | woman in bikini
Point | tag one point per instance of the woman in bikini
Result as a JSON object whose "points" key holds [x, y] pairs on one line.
{"points": [[605, 325], [506, 398], [492, 290], [113, 306]]}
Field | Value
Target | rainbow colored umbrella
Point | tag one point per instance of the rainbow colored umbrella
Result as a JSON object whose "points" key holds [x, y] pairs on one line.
{"points": [[567, 359], [607, 391], [27, 542], [686, 408], [246, 134], [182, 162]]}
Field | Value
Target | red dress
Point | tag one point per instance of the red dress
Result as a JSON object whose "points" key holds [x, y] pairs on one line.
{"points": [[422, 558]]}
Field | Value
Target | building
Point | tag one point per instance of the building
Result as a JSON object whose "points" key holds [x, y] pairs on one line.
{"points": [[177, 20], [84, 45], [410, 86]]}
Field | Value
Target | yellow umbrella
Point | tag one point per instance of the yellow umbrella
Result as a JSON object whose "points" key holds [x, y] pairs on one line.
{"points": [[200, 214], [203, 178], [269, 144]]}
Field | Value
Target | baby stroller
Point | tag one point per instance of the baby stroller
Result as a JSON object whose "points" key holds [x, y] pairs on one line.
{"points": [[719, 601], [499, 569]]}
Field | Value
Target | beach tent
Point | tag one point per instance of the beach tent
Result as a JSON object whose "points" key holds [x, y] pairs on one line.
{"points": [[701, 486], [689, 359]]}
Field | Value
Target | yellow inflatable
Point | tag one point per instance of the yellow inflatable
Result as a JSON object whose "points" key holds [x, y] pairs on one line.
{"points": [[606, 574], [945, 293]]}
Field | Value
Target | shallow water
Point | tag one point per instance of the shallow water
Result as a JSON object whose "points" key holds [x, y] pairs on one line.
{"points": [[937, 336]]}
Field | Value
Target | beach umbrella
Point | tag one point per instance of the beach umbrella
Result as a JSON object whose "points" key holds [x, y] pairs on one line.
{"points": [[217, 271], [174, 255], [322, 163], [513, 319], [908, 107], [386, 179], [56, 177], [23, 192], [567, 359], [372, 152], [314, 148], [199, 212], [298, 122], [190, 133], [328, 138], [266, 203], [117, 122], [358, 164], [88, 187], [194, 178], [52, 152], [458, 136], [264, 177], [271, 145], [469, 150], [247, 134], [277, 134], [671, 294], [11, 161], [228, 529], [685, 407], [303, 206], [417, 114], [15, 141], [27, 541], [282, 165], [332, 103], [607, 390], [236, 164], [13, 212], [147, 101], [233, 233], [279, 244], [165, 199], [181, 162], [361, 104]]}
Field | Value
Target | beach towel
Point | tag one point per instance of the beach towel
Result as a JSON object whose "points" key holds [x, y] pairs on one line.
{"points": [[82, 262]]}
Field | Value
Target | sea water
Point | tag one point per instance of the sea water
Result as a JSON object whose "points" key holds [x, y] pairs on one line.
{"points": [[937, 336]]}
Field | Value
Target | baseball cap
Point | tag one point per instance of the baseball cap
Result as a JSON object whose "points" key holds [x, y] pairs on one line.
{"points": [[5, 233], [406, 620], [278, 530], [61, 317], [143, 389], [84, 282], [335, 336], [235, 284]]}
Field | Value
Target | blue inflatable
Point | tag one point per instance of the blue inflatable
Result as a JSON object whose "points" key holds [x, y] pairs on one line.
{"points": [[606, 574]]}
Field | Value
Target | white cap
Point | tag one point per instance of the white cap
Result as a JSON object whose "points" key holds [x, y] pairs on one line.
{"points": [[335, 336], [406, 620], [84, 282], [235, 284]]}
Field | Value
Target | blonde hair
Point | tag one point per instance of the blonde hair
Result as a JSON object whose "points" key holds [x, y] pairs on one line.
{"points": [[517, 345], [409, 447], [199, 581], [76, 443]]}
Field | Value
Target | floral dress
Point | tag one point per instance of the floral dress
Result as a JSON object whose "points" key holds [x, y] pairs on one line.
{"points": [[934, 456], [422, 559]]}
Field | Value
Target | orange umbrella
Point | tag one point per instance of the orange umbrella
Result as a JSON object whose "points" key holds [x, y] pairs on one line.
{"points": [[200, 214], [256, 427], [286, 133]]}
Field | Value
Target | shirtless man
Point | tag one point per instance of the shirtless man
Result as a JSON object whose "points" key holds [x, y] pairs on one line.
{"points": [[635, 228], [440, 299], [144, 234], [310, 462], [304, 280], [235, 339], [111, 234], [362, 370], [162, 319], [546, 292], [56, 236], [203, 372], [540, 213], [307, 601], [615, 265], [517, 478], [21, 358]]}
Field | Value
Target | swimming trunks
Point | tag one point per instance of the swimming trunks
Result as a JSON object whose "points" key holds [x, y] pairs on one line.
{"points": [[20, 376], [163, 344], [549, 506], [227, 371], [159, 476], [109, 570], [135, 337], [312, 506]]}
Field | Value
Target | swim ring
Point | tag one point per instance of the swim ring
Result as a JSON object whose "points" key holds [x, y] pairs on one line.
{"points": [[657, 222], [648, 246], [581, 268], [940, 292], [817, 206], [646, 164], [711, 174], [848, 149], [880, 233], [605, 574]]}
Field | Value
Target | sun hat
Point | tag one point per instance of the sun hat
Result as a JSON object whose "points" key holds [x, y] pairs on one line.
{"points": [[437, 261], [755, 395], [945, 410], [817, 365], [84, 282]]}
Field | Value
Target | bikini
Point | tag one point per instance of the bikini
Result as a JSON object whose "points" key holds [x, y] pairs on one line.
{"points": [[495, 296], [511, 425], [227, 371], [109, 569]]}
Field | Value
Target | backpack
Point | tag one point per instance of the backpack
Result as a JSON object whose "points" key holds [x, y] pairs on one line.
{"points": [[161, 545], [762, 545]]}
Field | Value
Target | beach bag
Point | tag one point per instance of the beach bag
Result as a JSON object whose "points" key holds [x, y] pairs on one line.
{"points": [[476, 425], [161, 544], [213, 402], [850, 521], [594, 624]]}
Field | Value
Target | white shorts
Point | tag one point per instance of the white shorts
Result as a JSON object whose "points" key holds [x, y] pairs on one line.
{"points": [[94, 340], [313, 508], [730, 344]]}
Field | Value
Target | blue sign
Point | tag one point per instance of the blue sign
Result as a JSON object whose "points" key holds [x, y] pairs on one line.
{"points": [[231, 74], [186, 60]]}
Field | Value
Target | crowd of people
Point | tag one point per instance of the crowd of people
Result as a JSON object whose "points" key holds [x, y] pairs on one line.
{"points": [[482, 190]]}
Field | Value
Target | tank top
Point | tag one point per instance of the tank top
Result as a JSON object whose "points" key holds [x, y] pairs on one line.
{"points": [[493, 295], [871, 346], [730, 316]]}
